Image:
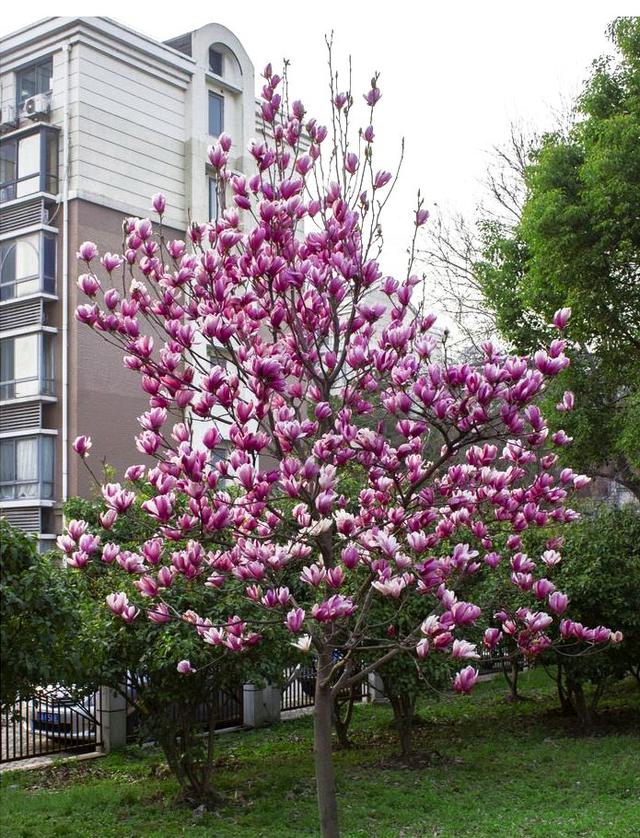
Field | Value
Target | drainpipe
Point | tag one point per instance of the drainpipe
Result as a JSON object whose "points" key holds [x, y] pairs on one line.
{"points": [[66, 49]]}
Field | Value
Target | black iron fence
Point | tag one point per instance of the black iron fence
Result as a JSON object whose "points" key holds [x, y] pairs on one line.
{"points": [[488, 665], [54, 721], [227, 709], [298, 690]]}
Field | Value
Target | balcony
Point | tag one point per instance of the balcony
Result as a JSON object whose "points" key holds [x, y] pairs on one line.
{"points": [[29, 163], [28, 266], [27, 367]]}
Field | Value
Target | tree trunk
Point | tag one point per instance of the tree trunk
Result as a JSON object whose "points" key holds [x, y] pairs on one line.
{"points": [[323, 754], [342, 714], [566, 704], [580, 703], [403, 712], [511, 677]]}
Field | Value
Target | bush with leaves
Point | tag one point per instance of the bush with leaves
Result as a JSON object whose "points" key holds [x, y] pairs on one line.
{"points": [[37, 620], [600, 575], [180, 712]]}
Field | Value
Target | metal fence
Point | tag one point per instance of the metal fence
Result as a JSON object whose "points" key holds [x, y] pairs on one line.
{"points": [[298, 690], [55, 721], [488, 665], [228, 709]]}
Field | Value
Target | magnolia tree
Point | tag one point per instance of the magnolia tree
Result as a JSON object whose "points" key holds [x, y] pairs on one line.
{"points": [[285, 285]]}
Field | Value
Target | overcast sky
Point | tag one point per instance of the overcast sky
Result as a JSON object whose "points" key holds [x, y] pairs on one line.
{"points": [[453, 75]]}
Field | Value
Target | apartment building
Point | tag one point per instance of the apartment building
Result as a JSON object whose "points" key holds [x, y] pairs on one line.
{"points": [[95, 118]]}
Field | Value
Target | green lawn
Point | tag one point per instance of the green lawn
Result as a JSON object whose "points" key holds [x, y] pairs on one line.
{"points": [[487, 768]]}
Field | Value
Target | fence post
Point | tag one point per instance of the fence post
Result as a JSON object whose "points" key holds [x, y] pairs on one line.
{"points": [[113, 719], [260, 706], [376, 689]]}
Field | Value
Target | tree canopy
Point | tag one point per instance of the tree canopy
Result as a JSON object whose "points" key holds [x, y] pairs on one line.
{"points": [[577, 244]]}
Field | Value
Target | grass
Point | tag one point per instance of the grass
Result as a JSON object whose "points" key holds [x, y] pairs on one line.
{"points": [[487, 768]]}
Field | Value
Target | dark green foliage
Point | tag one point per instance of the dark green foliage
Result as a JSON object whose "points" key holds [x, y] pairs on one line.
{"points": [[600, 572], [37, 619], [577, 244]]}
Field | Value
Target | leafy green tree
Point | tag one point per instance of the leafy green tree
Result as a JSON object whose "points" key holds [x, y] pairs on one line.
{"points": [[577, 244], [181, 713], [37, 621], [600, 572]]}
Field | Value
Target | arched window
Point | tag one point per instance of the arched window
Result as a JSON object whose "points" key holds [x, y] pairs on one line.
{"points": [[216, 61]]}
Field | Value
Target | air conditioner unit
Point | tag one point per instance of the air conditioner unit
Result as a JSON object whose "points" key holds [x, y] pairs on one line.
{"points": [[7, 118], [35, 107]]}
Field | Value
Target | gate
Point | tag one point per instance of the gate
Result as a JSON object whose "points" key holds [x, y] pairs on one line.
{"points": [[53, 721]]}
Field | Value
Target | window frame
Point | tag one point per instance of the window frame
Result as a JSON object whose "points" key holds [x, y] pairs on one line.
{"points": [[47, 261], [213, 96], [35, 66], [45, 483], [46, 176], [220, 55], [45, 375]]}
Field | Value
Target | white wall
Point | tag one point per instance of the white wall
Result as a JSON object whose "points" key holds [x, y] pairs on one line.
{"points": [[127, 136]]}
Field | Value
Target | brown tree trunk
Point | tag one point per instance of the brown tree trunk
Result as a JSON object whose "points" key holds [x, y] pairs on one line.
{"points": [[563, 694], [323, 753], [403, 712], [342, 715], [580, 703], [511, 677]]}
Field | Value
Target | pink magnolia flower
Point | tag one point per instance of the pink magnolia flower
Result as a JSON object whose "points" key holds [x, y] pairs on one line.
{"points": [[159, 613], [159, 202], [491, 638], [81, 445], [464, 649], [88, 284], [561, 318], [465, 680], [464, 613], [422, 648], [295, 619], [117, 602], [87, 251], [558, 602], [184, 667]]}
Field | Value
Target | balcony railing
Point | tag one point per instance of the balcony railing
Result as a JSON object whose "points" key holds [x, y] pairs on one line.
{"points": [[26, 490], [19, 388]]}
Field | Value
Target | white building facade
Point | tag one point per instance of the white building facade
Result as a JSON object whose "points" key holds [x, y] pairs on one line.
{"points": [[95, 118]]}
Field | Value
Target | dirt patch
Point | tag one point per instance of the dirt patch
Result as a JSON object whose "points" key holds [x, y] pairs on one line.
{"points": [[623, 721], [418, 759], [55, 777]]}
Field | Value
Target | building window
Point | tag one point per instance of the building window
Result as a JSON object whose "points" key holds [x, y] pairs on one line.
{"points": [[217, 356], [26, 468], [27, 366], [216, 61], [33, 79], [29, 164], [216, 114], [27, 266]]}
